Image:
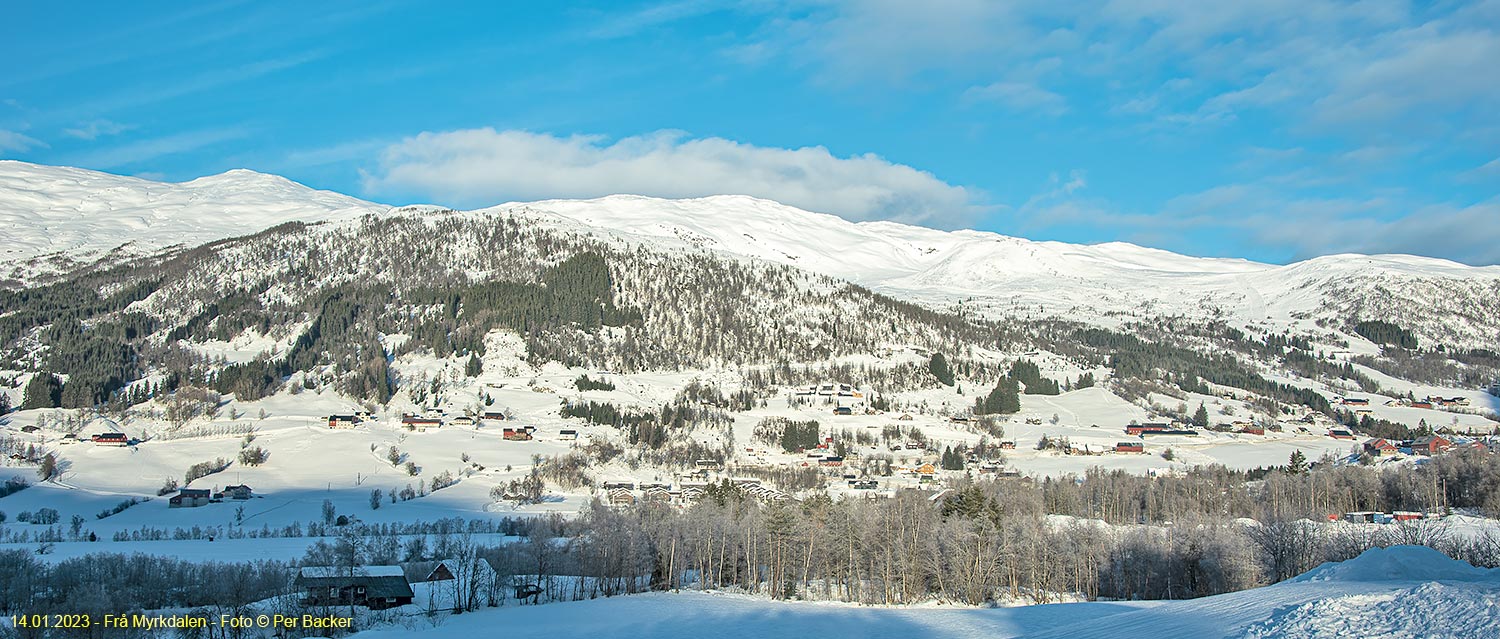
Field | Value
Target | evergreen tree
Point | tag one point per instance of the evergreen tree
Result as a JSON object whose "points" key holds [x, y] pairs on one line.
{"points": [[474, 367], [1004, 399], [940, 369], [1200, 418], [1297, 463], [48, 467], [43, 391]]}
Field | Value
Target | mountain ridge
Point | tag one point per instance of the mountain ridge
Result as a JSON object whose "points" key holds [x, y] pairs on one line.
{"points": [[75, 215]]}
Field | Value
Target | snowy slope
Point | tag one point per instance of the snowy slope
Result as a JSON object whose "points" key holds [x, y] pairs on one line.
{"points": [[1442, 300], [1425, 595], [82, 214], [1401, 591], [85, 214]]}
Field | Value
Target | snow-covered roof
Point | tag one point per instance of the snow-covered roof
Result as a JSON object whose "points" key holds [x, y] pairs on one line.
{"points": [[324, 572]]}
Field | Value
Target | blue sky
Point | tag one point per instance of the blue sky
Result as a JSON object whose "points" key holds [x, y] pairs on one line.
{"points": [[1272, 130]]}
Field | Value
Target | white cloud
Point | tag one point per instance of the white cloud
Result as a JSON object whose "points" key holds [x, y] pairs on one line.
{"points": [[1019, 96], [13, 141], [97, 128], [484, 166], [1484, 172]]}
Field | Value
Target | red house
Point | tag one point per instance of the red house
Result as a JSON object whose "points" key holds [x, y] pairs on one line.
{"points": [[1381, 447], [1130, 447], [117, 439], [413, 422], [1431, 445], [1253, 430], [1137, 429]]}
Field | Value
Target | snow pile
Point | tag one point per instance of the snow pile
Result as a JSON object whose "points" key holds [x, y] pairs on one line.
{"points": [[1399, 563], [1430, 610]]}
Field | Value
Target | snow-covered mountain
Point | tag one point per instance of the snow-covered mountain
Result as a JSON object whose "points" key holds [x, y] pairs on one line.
{"points": [[1441, 300], [55, 213], [58, 217]]}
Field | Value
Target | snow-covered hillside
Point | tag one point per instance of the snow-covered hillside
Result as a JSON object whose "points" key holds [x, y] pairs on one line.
{"points": [[68, 217], [1441, 300], [83, 215], [1401, 591]]}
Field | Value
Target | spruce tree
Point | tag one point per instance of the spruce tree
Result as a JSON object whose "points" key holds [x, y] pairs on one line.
{"points": [[1297, 463], [1200, 418], [43, 391], [939, 368]]}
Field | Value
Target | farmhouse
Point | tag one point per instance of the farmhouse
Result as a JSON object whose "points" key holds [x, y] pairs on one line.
{"points": [[1431, 445], [1130, 447], [189, 498], [620, 497], [342, 421], [1381, 448], [419, 422], [1174, 431], [463, 421], [1253, 430], [1140, 429], [111, 439], [493, 416], [1352, 401], [239, 492], [374, 587], [1340, 433]]}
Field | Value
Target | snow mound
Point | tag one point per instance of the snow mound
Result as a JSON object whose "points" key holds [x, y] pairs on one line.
{"points": [[1429, 610], [1399, 563]]}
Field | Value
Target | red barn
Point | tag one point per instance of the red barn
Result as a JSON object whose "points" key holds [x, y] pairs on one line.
{"points": [[1130, 447]]}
